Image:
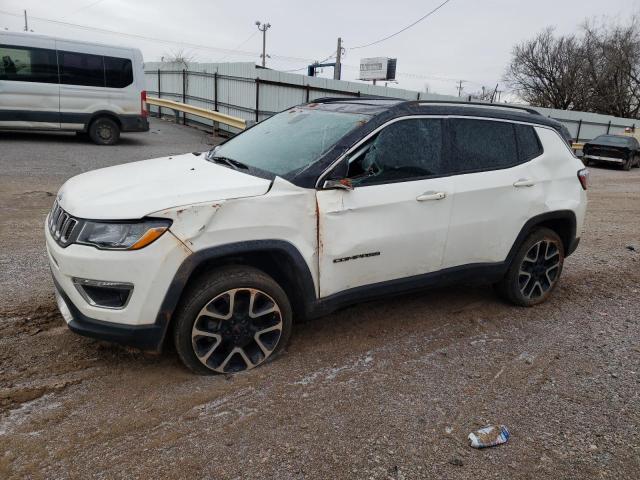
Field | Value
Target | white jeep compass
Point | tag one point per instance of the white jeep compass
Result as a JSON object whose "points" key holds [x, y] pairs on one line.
{"points": [[323, 205]]}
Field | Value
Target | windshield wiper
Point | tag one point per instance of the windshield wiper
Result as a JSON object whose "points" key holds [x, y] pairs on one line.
{"points": [[230, 162]]}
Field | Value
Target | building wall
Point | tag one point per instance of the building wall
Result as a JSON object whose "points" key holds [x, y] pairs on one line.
{"points": [[237, 87]]}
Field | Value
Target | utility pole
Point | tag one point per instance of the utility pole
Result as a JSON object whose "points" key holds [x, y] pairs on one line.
{"points": [[263, 27], [338, 67], [26, 25], [460, 87]]}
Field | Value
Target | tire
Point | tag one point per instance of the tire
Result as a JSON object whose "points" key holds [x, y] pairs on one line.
{"points": [[217, 329], [628, 163], [534, 273], [637, 159], [104, 131]]}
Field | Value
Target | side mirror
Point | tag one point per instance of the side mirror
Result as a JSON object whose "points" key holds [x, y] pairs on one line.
{"points": [[344, 184]]}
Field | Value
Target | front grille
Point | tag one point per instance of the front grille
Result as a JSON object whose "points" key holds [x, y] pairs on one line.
{"points": [[62, 226]]}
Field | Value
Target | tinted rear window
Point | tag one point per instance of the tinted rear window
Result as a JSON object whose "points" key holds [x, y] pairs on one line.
{"points": [[118, 72], [81, 69], [482, 145]]}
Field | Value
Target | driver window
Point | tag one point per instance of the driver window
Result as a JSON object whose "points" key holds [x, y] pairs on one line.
{"points": [[405, 150]]}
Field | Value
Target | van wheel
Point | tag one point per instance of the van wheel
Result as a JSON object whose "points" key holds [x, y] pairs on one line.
{"points": [[104, 131], [234, 319], [535, 270]]}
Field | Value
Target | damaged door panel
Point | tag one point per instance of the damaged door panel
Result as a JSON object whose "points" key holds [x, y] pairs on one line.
{"points": [[382, 232]]}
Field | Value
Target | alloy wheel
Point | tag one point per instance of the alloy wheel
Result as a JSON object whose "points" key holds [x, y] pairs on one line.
{"points": [[539, 269], [237, 330]]}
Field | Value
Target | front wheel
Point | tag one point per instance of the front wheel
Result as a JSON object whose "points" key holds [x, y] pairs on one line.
{"points": [[628, 163], [535, 270], [235, 319]]}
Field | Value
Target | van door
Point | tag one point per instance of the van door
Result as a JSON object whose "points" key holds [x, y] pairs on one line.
{"points": [[82, 84], [29, 89], [394, 223]]}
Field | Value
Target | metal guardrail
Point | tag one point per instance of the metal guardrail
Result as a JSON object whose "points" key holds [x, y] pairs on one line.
{"points": [[198, 112]]}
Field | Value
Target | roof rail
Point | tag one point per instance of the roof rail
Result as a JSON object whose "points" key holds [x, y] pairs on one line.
{"points": [[354, 98], [482, 104]]}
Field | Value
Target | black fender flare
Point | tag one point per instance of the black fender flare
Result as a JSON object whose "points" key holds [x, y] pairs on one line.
{"points": [[174, 293], [570, 241]]}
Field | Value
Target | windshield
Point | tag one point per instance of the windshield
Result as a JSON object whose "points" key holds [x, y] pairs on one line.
{"points": [[289, 141], [612, 140]]}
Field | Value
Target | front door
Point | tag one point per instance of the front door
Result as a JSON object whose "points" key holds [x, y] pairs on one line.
{"points": [[394, 223]]}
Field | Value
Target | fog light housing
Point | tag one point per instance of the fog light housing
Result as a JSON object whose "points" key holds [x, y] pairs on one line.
{"points": [[104, 294]]}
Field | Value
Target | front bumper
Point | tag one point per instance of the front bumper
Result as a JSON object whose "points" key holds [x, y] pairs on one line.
{"points": [[144, 337], [150, 270]]}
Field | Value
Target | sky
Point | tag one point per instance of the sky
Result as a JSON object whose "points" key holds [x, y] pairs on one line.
{"points": [[469, 40]]}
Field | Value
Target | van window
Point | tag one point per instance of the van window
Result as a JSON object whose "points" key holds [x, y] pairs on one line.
{"points": [[118, 72], [528, 142], [482, 145], [26, 64], [81, 69], [402, 151]]}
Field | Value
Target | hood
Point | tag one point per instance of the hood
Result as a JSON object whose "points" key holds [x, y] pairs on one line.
{"points": [[133, 190]]}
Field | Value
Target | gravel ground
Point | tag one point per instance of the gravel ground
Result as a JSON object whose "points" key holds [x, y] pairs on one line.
{"points": [[388, 389]]}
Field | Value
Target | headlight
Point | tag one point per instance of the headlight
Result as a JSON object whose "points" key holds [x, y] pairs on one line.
{"points": [[122, 236]]}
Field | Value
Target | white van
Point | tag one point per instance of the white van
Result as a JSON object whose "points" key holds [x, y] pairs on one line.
{"points": [[48, 83]]}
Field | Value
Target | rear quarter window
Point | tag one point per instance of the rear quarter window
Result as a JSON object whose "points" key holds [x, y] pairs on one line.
{"points": [[529, 145], [118, 72]]}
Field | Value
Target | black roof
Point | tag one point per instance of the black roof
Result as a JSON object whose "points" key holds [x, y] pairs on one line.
{"points": [[398, 106]]}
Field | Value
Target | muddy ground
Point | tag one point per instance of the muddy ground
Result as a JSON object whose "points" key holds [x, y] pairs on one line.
{"points": [[388, 389]]}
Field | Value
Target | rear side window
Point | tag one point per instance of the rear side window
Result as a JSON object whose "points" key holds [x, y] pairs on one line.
{"points": [[482, 145], [528, 142], [27, 64], [81, 69], [118, 72]]}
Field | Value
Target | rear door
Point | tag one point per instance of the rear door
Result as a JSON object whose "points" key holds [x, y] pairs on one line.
{"points": [[29, 89], [496, 190], [394, 223]]}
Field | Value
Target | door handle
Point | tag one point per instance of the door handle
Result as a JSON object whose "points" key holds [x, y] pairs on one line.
{"points": [[524, 182], [426, 196]]}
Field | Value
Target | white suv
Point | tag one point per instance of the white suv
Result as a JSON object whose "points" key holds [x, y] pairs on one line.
{"points": [[323, 205]]}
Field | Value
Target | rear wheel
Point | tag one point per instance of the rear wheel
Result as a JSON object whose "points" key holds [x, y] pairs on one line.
{"points": [[104, 131], [535, 270], [235, 319]]}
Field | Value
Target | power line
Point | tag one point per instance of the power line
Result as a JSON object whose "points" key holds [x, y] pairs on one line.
{"points": [[85, 7], [153, 39], [405, 28], [237, 47]]}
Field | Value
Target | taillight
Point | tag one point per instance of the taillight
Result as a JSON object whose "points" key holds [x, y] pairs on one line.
{"points": [[143, 103], [583, 176]]}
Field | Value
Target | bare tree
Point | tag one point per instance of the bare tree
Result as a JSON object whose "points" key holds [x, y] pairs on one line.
{"points": [[546, 71], [180, 55], [596, 71], [612, 67], [486, 94]]}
